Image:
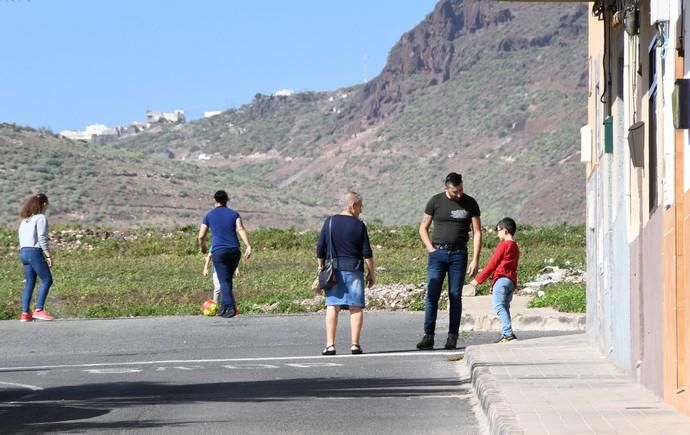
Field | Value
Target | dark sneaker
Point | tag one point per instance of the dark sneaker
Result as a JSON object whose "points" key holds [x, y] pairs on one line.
{"points": [[230, 312], [507, 338], [427, 342], [451, 342]]}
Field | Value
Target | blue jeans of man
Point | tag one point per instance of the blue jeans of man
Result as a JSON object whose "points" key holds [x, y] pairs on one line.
{"points": [[225, 262], [502, 294], [35, 265], [454, 264]]}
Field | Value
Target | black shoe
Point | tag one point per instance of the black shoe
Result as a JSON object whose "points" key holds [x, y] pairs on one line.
{"points": [[451, 342], [229, 312], [328, 350], [427, 342], [356, 349], [507, 338]]}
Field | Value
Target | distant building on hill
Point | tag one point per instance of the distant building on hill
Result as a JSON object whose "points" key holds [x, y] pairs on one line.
{"points": [[176, 117], [89, 132], [99, 133]]}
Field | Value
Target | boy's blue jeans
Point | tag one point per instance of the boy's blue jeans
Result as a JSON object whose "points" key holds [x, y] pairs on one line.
{"points": [[225, 262], [502, 295], [35, 265], [440, 262]]}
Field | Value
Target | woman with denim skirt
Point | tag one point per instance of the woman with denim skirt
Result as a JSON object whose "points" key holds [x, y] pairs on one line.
{"points": [[35, 256], [350, 249]]}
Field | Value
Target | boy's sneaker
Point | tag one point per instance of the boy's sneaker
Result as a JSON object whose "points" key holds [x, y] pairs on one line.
{"points": [[42, 315], [507, 338], [26, 317], [427, 342], [451, 342]]}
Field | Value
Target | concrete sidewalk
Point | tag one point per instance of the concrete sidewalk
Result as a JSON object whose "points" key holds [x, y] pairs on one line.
{"points": [[562, 385], [478, 314]]}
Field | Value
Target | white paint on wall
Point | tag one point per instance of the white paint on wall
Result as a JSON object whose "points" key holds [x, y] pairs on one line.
{"points": [[585, 143]]}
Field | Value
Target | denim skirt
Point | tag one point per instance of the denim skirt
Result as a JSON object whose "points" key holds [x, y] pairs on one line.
{"points": [[348, 291]]}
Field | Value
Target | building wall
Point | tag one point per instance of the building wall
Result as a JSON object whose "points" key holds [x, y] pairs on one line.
{"points": [[624, 280], [638, 303], [608, 192], [646, 306], [619, 216], [682, 400], [596, 326], [676, 267]]}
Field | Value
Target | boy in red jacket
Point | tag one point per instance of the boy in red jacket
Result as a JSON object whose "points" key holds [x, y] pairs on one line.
{"points": [[503, 266]]}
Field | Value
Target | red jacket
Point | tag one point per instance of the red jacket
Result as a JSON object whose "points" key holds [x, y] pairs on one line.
{"points": [[503, 262]]}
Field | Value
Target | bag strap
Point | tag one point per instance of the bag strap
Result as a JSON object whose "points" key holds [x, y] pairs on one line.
{"points": [[330, 248]]}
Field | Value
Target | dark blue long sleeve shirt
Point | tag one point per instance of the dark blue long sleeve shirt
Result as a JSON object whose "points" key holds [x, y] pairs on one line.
{"points": [[350, 242]]}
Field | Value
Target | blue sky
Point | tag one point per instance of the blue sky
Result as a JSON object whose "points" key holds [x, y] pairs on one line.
{"points": [[69, 63]]}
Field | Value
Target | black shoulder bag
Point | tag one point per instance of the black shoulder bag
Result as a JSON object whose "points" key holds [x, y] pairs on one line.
{"points": [[327, 278]]}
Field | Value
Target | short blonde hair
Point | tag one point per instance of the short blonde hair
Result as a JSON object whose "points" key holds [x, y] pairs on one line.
{"points": [[351, 198]]}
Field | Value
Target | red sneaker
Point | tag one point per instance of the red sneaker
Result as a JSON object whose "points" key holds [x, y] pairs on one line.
{"points": [[42, 315], [26, 317]]}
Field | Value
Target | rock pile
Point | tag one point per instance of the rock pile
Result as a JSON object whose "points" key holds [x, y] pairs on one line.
{"points": [[393, 297], [550, 275], [381, 297]]}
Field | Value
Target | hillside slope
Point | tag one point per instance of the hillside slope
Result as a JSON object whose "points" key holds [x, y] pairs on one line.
{"points": [[494, 90], [97, 184]]}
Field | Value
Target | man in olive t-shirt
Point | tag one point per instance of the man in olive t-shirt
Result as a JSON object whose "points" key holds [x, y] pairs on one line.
{"points": [[453, 214]]}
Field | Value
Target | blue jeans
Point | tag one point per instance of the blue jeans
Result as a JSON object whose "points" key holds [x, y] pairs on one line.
{"points": [[35, 265], [225, 262], [502, 295], [440, 262]]}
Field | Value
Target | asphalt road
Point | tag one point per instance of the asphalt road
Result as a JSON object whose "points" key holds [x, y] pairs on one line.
{"points": [[249, 374]]}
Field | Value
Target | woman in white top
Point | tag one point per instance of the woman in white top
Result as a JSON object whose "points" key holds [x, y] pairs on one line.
{"points": [[35, 256]]}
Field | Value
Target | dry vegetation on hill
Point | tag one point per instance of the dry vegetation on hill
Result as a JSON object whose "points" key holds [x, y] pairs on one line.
{"points": [[494, 90]]}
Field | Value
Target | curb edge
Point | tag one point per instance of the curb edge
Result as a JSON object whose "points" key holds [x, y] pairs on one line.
{"points": [[502, 419]]}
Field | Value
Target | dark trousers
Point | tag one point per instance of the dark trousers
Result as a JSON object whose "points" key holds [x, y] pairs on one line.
{"points": [[225, 262]]}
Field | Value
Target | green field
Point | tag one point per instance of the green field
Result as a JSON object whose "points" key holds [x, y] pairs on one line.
{"points": [[100, 273]]}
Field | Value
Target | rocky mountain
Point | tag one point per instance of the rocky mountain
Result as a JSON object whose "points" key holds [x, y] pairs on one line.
{"points": [[494, 90]]}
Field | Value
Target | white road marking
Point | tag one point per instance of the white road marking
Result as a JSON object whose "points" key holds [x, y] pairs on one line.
{"points": [[251, 366], [358, 397], [29, 387], [112, 371], [230, 360], [310, 365]]}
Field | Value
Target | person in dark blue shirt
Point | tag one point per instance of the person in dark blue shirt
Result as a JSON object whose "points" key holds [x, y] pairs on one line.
{"points": [[224, 223], [350, 249]]}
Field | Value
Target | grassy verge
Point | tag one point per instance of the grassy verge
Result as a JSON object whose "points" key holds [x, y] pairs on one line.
{"points": [[105, 273], [568, 297]]}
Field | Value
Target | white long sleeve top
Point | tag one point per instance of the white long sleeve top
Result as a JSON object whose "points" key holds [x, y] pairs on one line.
{"points": [[33, 232]]}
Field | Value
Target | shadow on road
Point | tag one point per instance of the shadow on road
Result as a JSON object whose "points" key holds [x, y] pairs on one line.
{"points": [[58, 409]]}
